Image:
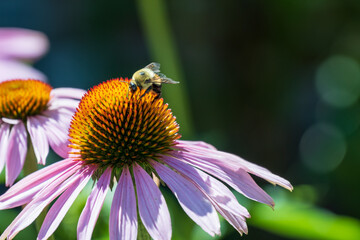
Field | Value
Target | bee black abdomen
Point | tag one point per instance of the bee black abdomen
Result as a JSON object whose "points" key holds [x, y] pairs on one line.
{"points": [[157, 89]]}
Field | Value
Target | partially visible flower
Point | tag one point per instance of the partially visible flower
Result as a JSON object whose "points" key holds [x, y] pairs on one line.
{"points": [[18, 46], [125, 137], [31, 107]]}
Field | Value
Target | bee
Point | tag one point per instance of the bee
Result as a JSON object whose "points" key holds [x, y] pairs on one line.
{"points": [[150, 79]]}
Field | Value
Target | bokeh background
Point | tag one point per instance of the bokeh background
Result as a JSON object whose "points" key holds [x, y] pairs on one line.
{"points": [[276, 82]]}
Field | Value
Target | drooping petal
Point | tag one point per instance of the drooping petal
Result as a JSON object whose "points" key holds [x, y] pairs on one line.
{"points": [[4, 141], [41, 200], [191, 199], [19, 43], [68, 93], [123, 216], [232, 161], [237, 222], [24, 190], [10, 69], [152, 206], [197, 144], [238, 179], [16, 154], [93, 206], [38, 139], [63, 203], [56, 135], [213, 188]]}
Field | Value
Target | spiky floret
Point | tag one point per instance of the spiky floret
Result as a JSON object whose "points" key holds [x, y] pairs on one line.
{"points": [[22, 98], [114, 127]]}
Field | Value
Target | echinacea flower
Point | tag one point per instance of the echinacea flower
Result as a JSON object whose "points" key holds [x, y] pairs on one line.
{"points": [[18, 46], [32, 108], [123, 137]]}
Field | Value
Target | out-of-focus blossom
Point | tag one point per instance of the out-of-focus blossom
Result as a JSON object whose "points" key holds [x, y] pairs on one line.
{"points": [[124, 137], [32, 110], [17, 48]]}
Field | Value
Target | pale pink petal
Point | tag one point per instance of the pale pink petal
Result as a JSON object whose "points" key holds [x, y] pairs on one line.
{"points": [[10, 121], [38, 139], [191, 199], [4, 141], [240, 180], [123, 216], [153, 210], [42, 199], [68, 93], [60, 117], [213, 188], [24, 190], [57, 135], [16, 154], [19, 43], [93, 206], [63, 203], [10, 69], [68, 104], [232, 161]]}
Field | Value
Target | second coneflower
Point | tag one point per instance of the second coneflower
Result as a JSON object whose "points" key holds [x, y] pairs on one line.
{"points": [[31, 112], [121, 138]]}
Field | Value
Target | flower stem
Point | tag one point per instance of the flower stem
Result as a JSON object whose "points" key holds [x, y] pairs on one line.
{"points": [[142, 232], [162, 47], [31, 166]]}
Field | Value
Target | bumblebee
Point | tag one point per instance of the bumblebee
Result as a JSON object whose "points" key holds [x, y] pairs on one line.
{"points": [[150, 79]]}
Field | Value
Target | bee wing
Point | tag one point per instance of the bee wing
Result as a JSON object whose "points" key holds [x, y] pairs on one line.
{"points": [[168, 80], [154, 66]]}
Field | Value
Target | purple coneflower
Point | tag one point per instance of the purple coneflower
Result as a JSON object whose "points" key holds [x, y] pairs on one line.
{"points": [[32, 108], [124, 137], [20, 46]]}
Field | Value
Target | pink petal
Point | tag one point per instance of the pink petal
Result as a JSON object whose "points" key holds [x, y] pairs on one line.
{"points": [[61, 206], [16, 154], [93, 206], [213, 188], [68, 104], [60, 117], [68, 93], [191, 199], [10, 69], [4, 141], [152, 206], [237, 222], [239, 179], [232, 161], [21, 43], [41, 200], [24, 190], [57, 135], [38, 139], [197, 144], [123, 215]]}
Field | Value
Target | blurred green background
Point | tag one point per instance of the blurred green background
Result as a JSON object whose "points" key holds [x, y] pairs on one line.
{"points": [[275, 82]]}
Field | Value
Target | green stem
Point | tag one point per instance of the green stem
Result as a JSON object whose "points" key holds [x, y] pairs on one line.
{"points": [[142, 232], [162, 49], [31, 166]]}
